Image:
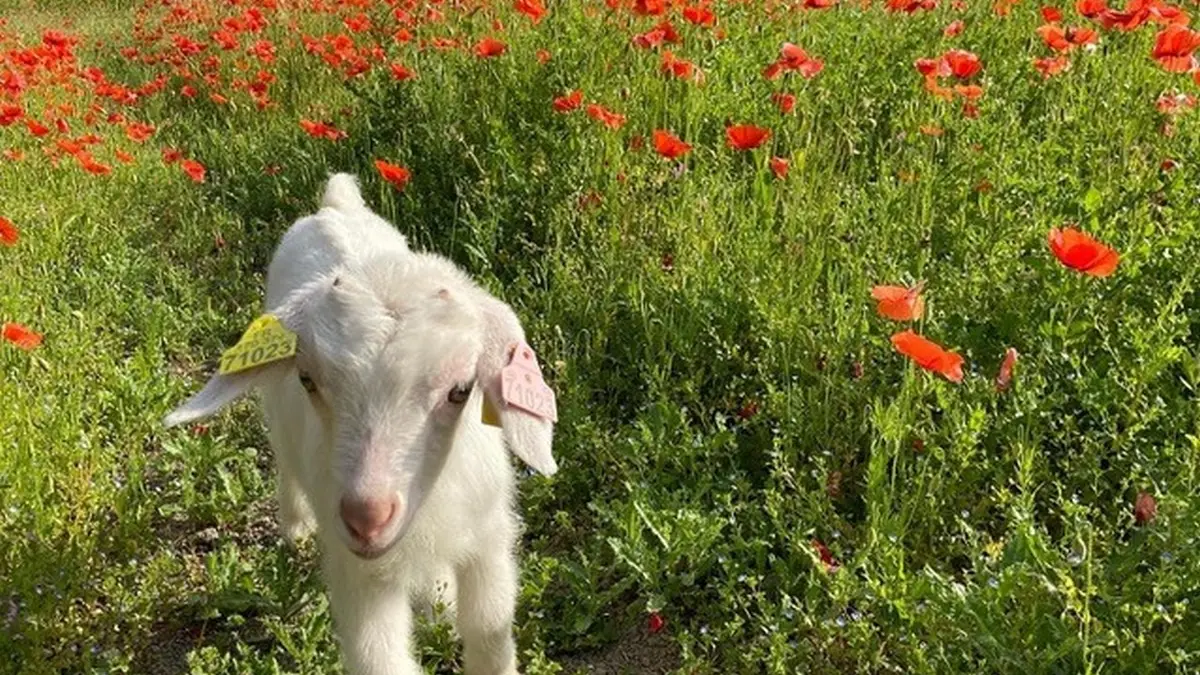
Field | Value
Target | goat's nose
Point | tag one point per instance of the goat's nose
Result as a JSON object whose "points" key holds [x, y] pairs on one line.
{"points": [[368, 518]]}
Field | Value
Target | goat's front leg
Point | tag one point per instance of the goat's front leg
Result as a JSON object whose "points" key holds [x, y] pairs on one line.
{"points": [[373, 621], [487, 596]]}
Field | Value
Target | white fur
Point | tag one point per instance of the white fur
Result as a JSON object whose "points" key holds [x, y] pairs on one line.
{"points": [[384, 331]]}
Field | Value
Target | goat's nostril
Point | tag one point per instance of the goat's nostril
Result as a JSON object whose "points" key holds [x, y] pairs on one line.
{"points": [[367, 518]]}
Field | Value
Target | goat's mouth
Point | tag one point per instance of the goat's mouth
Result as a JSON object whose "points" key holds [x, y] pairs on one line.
{"points": [[370, 552]]}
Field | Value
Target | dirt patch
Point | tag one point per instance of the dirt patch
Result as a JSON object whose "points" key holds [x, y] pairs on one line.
{"points": [[637, 652], [166, 651]]}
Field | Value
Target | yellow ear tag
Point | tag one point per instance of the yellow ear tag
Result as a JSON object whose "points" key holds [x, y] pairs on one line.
{"points": [[491, 416], [266, 340]]}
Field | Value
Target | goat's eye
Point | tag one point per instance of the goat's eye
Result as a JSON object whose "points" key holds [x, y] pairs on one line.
{"points": [[459, 394], [307, 382]]}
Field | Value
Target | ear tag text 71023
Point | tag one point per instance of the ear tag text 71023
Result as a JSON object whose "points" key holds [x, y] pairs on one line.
{"points": [[266, 340], [522, 386]]}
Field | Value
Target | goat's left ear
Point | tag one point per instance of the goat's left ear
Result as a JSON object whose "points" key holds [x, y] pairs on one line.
{"points": [[529, 434]]}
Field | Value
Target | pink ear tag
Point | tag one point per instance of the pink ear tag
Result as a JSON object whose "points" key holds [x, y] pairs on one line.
{"points": [[522, 386]]}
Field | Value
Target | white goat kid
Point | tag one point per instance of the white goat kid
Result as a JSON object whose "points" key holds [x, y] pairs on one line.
{"points": [[377, 427]]}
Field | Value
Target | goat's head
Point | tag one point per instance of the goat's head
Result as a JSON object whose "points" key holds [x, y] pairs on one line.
{"points": [[389, 354]]}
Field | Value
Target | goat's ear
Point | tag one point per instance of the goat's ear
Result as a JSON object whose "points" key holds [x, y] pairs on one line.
{"points": [[528, 436], [222, 390]]}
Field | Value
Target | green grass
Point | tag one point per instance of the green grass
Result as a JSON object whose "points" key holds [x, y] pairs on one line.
{"points": [[976, 531]]}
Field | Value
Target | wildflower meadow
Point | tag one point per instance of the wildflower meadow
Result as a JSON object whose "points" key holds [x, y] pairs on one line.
{"points": [[873, 324]]}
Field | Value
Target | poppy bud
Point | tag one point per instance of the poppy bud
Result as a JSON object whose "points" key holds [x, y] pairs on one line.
{"points": [[747, 411], [833, 485], [1145, 508], [827, 560]]}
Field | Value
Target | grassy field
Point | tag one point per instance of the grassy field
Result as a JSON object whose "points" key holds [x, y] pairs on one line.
{"points": [[753, 479]]}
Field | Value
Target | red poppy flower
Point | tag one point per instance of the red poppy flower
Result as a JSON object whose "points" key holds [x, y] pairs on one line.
{"points": [[1004, 377], [668, 145], [1081, 36], [932, 67], [543, 56], [1054, 36], [14, 154], [953, 29], [899, 303], [746, 136], [400, 73], [649, 7], [396, 175], [655, 623], [1051, 14], [123, 157], [21, 336], [1081, 252], [9, 235], [91, 165], [909, 6], [534, 9], [963, 64], [194, 170], [171, 155], [1052, 65], [780, 166], [680, 68], [1166, 15], [793, 58], [700, 16], [489, 47], [1173, 48], [1134, 14], [569, 102], [36, 128], [138, 132], [263, 50], [606, 117], [929, 355], [322, 130], [656, 36], [9, 114], [1091, 8], [358, 23], [785, 101]]}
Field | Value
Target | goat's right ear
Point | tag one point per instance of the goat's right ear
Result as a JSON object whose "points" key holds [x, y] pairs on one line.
{"points": [[222, 390]]}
